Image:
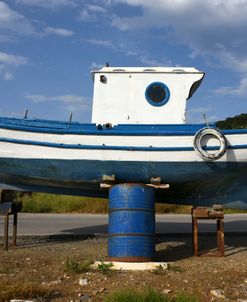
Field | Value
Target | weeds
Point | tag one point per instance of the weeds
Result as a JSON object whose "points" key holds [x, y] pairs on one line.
{"points": [[73, 266], [104, 268], [51, 203], [159, 270], [24, 291], [150, 295], [175, 268], [185, 297], [6, 271]]}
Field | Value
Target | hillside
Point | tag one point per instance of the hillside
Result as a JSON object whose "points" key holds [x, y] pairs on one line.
{"points": [[236, 122]]}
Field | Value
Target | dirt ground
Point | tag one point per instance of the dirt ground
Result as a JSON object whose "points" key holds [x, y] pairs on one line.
{"points": [[36, 269]]}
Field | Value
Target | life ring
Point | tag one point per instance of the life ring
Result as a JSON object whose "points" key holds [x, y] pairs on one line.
{"points": [[198, 147]]}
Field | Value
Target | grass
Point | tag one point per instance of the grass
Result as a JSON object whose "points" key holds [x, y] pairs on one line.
{"points": [[73, 266], [24, 291], [51, 203], [159, 270], [175, 268], [6, 271], [104, 268], [149, 295]]}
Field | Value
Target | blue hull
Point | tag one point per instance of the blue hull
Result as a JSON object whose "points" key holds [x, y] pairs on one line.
{"points": [[213, 182], [191, 182]]}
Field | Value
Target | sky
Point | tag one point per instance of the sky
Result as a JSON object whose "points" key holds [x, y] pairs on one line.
{"points": [[49, 47]]}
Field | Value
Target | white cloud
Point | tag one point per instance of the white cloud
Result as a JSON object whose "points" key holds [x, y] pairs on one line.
{"points": [[143, 56], [240, 90], [84, 15], [9, 59], [69, 102], [8, 62], [208, 27], [48, 3], [67, 99], [201, 110], [11, 23], [106, 43], [96, 66], [212, 29], [201, 115], [150, 61], [59, 31], [90, 12], [96, 8], [8, 76]]}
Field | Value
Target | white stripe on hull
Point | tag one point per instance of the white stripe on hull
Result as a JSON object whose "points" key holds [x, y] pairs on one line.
{"points": [[121, 140], [12, 150]]}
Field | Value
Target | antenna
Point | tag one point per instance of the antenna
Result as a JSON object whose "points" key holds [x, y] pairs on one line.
{"points": [[26, 114], [70, 117], [205, 120]]}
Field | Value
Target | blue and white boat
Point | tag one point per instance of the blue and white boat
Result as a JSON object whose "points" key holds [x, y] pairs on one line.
{"points": [[138, 133]]}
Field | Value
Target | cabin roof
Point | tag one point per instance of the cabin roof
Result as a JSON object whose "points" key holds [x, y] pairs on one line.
{"points": [[147, 70]]}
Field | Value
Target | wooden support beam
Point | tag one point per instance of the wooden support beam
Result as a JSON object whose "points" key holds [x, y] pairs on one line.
{"points": [[108, 185]]}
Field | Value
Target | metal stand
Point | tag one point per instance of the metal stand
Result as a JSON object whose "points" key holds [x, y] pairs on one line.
{"points": [[205, 214], [7, 209]]}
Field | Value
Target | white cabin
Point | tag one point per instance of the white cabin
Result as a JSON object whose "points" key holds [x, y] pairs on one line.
{"points": [[131, 95]]}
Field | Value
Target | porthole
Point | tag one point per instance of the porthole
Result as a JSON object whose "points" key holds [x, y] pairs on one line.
{"points": [[157, 94]]}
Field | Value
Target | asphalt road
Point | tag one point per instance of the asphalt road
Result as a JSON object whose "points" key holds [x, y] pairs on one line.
{"points": [[77, 224]]}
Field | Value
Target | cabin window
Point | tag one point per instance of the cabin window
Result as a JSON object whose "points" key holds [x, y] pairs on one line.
{"points": [[157, 94]]}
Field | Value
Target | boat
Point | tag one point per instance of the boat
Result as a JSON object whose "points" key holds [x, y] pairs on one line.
{"points": [[138, 134]]}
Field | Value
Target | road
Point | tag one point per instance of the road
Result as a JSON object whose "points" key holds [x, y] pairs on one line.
{"points": [[79, 224]]}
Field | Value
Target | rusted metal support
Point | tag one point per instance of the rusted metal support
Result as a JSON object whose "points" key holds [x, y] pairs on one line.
{"points": [[8, 208], [14, 229], [220, 237], [6, 232], [205, 214]]}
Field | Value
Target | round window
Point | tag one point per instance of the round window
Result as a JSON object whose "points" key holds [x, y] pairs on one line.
{"points": [[157, 94]]}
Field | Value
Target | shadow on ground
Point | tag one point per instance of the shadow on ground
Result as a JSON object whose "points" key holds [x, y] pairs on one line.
{"points": [[169, 246]]}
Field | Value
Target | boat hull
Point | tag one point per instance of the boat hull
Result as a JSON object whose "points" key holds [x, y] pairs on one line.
{"points": [[73, 159], [190, 183]]}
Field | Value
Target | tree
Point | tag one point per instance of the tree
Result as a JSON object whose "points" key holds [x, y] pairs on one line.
{"points": [[236, 122]]}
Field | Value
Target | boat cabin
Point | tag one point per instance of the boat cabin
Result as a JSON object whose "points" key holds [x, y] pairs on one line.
{"points": [[131, 95]]}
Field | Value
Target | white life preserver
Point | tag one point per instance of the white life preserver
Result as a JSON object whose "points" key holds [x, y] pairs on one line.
{"points": [[198, 147]]}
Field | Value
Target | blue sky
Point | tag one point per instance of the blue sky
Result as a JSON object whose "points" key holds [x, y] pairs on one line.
{"points": [[49, 47]]}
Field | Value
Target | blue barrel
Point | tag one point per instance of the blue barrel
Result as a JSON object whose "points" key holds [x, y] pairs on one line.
{"points": [[131, 223]]}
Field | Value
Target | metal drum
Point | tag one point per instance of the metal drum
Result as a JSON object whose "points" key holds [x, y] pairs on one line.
{"points": [[131, 223]]}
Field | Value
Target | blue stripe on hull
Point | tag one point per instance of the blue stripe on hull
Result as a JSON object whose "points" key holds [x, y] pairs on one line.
{"points": [[58, 127], [106, 147], [190, 183]]}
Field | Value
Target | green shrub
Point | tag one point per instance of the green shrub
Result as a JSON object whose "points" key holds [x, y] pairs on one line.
{"points": [[185, 297], [51, 203], [73, 266], [149, 295], [104, 268]]}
